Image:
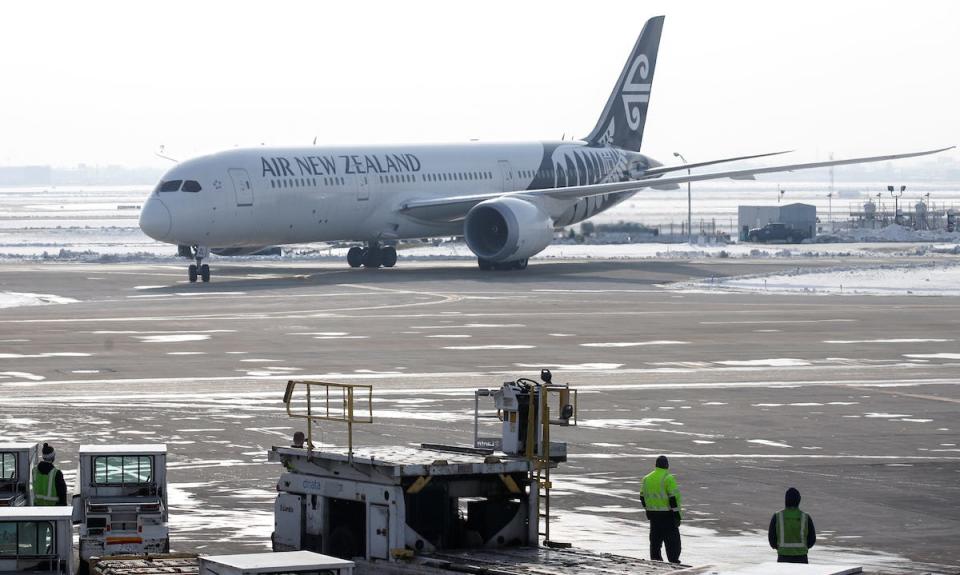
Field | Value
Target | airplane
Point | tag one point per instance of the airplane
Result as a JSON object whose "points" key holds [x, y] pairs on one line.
{"points": [[505, 199]]}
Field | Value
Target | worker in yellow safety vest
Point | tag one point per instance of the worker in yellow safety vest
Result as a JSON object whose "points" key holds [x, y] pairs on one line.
{"points": [[49, 487], [660, 498], [791, 531]]}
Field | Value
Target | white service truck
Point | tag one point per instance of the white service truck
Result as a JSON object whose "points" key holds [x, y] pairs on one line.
{"points": [[17, 462], [36, 540], [122, 501]]}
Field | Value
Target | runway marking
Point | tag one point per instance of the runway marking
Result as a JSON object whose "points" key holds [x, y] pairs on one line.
{"points": [[290, 314], [899, 340], [43, 355], [774, 362], [635, 343], [914, 395], [493, 346], [778, 321], [932, 355]]}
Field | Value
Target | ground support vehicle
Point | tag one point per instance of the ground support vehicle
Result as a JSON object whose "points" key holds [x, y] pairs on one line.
{"points": [[17, 462], [37, 540], [122, 502], [776, 232]]}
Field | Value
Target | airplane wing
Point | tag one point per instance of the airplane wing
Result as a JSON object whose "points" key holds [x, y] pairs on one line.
{"points": [[660, 170], [452, 208]]}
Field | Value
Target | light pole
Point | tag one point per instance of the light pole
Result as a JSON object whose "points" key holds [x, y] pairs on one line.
{"points": [[830, 210], [896, 202], [689, 201]]}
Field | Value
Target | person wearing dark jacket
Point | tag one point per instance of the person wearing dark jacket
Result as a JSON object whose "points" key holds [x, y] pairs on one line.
{"points": [[791, 531], [49, 487]]}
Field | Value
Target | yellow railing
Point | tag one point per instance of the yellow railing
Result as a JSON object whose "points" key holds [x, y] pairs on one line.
{"points": [[337, 402]]}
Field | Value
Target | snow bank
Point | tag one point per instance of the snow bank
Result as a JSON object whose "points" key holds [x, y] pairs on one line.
{"points": [[17, 299], [894, 233], [917, 279]]}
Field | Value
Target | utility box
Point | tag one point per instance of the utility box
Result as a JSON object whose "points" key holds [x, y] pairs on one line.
{"points": [[36, 540], [122, 504], [283, 563], [17, 463]]}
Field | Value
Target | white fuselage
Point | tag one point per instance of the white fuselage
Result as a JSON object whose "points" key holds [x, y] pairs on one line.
{"points": [[272, 196]]}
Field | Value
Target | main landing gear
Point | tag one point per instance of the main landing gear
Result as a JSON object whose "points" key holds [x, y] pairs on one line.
{"points": [[372, 256], [199, 269], [487, 265]]}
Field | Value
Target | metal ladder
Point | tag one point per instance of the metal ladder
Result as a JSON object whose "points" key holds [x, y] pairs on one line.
{"points": [[540, 465]]}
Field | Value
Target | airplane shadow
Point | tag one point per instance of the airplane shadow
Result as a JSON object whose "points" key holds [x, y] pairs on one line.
{"points": [[447, 274]]}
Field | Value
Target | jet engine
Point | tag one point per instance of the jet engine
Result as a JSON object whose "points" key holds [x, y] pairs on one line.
{"points": [[507, 230]]}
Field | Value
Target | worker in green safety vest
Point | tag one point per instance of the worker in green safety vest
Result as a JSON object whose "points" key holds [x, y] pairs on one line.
{"points": [[660, 498], [49, 488], [791, 531]]}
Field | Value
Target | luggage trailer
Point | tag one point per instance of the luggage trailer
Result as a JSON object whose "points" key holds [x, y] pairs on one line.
{"points": [[394, 503], [122, 503], [17, 462]]}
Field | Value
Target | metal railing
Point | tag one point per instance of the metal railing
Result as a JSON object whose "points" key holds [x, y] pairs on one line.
{"points": [[337, 402]]}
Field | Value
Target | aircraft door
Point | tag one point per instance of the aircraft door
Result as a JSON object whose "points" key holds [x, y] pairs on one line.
{"points": [[364, 183], [506, 170], [242, 186]]}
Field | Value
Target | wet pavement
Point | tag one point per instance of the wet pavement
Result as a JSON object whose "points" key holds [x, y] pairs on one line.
{"points": [[851, 399]]}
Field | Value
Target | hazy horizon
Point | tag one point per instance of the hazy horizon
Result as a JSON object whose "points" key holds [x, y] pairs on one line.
{"points": [[108, 83]]}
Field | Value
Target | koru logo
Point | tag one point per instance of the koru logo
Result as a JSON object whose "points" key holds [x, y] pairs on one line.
{"points": [[636, 90]]}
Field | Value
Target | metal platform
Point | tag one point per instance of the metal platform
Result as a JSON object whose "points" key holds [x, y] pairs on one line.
{"points": [[399, 461]]}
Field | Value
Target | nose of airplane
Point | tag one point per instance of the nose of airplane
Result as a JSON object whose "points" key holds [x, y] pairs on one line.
{"points": [[155, 219]]}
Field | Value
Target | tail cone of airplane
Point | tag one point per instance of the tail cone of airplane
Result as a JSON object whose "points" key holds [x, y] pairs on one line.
{"points": [[155, 219]]}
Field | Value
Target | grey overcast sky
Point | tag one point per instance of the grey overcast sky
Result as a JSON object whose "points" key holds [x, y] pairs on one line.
{"points": [[108, 82]]}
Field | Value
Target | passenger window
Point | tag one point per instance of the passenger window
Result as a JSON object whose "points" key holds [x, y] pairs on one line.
{"points": [[170, 185], [191, 186], [8, 539]]}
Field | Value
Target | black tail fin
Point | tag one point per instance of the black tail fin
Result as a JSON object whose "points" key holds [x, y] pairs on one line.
{"points": [[621, 123]]}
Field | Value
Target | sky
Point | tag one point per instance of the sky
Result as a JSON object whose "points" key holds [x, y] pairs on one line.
{"points": [[108, 83]]}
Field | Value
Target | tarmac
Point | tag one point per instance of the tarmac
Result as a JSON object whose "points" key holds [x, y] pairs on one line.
{"points": [[851, 399]]}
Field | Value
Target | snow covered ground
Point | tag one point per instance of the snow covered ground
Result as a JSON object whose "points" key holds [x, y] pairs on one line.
{"points": [[929, 279], [16, 299]]}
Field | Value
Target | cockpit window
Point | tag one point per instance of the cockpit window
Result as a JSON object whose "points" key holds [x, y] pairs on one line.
{"points": [[170, 185], [191, 186]]}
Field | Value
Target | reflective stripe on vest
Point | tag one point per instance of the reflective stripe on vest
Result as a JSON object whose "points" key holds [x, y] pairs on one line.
{"points": [[655, 494], [45, 488], [791, 532]]}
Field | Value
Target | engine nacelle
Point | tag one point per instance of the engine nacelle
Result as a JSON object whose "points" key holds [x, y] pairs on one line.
{"points": [[507, 229]]}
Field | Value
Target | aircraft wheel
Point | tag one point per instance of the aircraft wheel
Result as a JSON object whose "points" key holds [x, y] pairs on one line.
{"points": [[205, 273], [520, 264], [485, 265], [355, 257], [192, 273], [372, 258], [388, 256]]}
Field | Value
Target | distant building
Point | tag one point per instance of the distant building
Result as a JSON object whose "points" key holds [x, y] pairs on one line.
{"points": [[25, 175], [801, 217]]}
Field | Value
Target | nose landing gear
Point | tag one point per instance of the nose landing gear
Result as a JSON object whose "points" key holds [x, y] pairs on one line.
{"points": [[372, 256], [199, 269]]}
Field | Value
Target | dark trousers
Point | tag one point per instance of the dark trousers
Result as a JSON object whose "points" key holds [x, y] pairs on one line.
{"points": [[664, 531], [792, 559]]}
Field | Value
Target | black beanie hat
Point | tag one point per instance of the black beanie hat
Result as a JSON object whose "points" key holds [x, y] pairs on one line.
{"points": [[792, 497], [662, 462], [47, 452]]}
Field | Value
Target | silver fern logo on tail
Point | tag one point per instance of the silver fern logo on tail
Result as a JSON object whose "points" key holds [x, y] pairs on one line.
{"points": [[621, 123], [636, 93]]}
